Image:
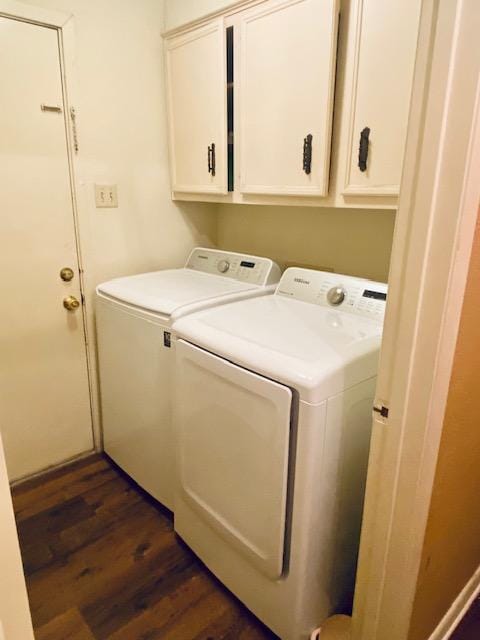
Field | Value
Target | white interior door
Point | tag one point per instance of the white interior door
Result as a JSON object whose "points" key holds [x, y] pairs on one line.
{"points": [[197, 109], [44, 394], [233, 444], [287, 73]]}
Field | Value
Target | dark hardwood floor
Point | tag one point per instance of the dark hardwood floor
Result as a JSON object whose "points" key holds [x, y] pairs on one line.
{"points": [[102, 562]]}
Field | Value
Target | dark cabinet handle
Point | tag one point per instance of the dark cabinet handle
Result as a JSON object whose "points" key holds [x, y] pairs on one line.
{"points": [[307, 154], [363, 149], [211, 159]]}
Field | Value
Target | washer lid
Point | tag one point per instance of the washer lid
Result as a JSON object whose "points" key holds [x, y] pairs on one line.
{"points": [[171, 291], [317, 350]]}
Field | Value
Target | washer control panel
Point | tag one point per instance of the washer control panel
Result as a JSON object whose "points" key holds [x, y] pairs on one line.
{"points": [[245, 268], [345, 293]]}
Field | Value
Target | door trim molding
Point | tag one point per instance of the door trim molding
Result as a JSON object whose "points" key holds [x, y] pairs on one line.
{"points": [[63, 23], [432, 248], [36, 15], [66, 43], [459, 608], [43, 474]]}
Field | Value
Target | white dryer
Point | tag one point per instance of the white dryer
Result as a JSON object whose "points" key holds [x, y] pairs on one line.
{"points": [[273, 413], [135, 349]]}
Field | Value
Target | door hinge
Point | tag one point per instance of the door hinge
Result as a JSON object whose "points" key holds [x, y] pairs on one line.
{"points": [[73, 118], [381, 409]]}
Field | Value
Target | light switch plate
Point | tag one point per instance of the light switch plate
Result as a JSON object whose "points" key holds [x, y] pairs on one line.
{"points": [[106, 195]]}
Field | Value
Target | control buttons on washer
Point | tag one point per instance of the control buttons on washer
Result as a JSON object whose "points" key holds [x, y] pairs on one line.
{"points": [[336, 296], [223, 266]]}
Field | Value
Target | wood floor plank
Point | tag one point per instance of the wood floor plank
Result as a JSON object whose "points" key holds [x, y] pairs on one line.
{"points": [[151, 622], [138, 590], [55, 491], [226, 625], [67, 626], [49, 522], [102, 561], [36, 556], [196, 620], [118, 503], [97, 568]]}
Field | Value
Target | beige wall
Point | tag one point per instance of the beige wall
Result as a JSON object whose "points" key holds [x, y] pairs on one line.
{"points": [[451, 551], [355, 242], [178, 12]]}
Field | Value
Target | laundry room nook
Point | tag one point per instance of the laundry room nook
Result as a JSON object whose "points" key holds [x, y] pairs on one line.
{"points": [[239, 345]]}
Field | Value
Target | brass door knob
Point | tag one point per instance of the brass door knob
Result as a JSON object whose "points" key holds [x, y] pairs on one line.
{"points": [[66, 274], [71, 303]]}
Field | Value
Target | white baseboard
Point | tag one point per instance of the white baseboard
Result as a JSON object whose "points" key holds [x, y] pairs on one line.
{"points": [[54, 467], [459, 608]]}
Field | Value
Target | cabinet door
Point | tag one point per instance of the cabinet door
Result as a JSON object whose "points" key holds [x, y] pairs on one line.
{"points": [[196, 91], [287, 70], [381, 57]]}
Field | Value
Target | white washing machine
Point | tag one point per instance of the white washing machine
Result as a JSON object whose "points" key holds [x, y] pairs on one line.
{"points": [[273, 412], [135, 351]]}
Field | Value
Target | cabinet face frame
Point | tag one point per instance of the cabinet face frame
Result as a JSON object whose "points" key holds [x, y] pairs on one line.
{"points": [[218, 183], [318, 188], [354, 52]]}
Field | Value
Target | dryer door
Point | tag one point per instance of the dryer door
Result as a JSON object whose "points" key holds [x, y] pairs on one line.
{"points": [[233, 442]]}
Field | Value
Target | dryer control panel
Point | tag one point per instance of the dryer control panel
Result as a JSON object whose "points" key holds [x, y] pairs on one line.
{"points": [[245, 268], [345, 293]]}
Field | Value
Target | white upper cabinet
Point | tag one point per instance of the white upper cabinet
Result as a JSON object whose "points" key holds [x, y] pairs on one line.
{"points": [[380, 61], [196, 93], [285, 77], [287, 52]]}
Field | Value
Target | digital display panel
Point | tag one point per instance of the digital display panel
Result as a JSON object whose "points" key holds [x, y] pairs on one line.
{"points": [[376, 295], [249, 265]]}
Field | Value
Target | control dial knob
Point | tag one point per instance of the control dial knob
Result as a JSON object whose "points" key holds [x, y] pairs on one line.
{"points": [[336, 295], [223, 266]]}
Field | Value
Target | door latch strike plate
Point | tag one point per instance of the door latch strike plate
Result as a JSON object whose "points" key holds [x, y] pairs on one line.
{"points": [[51, 107]]}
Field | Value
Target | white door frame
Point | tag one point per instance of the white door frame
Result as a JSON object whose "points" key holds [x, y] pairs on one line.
{"points": [[15, 618], [63, 23], [432, 246]]}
